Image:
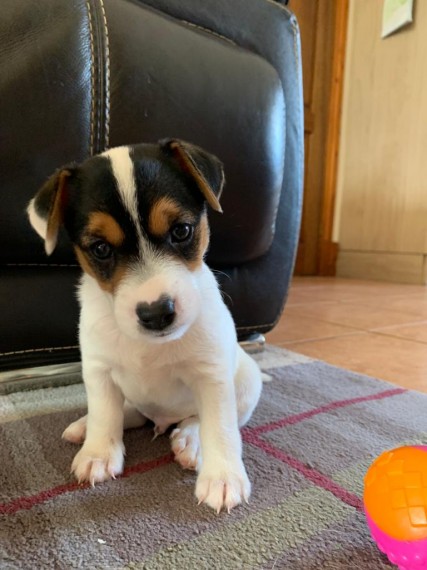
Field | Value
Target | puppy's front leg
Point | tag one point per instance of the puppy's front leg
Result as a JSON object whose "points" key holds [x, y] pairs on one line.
{"points": [[102, 454], [222, 481]]}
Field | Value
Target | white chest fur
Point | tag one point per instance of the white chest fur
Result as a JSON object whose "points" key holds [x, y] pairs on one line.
{"points": [[154, 377]]}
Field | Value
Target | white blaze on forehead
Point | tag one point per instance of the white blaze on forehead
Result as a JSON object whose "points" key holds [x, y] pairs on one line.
{"points": [[124, 173]]}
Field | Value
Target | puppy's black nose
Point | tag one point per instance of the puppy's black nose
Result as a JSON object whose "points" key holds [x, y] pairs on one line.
{"points": [[158, 315]]}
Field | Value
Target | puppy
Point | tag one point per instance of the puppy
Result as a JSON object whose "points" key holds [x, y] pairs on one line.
{"points": [[157, 341]]}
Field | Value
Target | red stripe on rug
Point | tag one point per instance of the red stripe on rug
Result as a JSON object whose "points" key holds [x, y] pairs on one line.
{"points": [[289, 420], [312, 475], [26, 503], [249, 435]]}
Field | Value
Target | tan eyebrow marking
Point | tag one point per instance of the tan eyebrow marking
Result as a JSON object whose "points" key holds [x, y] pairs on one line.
{"points": [[162, 215], [105, 226]]}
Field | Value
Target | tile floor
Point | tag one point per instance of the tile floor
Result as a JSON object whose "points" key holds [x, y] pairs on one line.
{"points": [[375, 328]]}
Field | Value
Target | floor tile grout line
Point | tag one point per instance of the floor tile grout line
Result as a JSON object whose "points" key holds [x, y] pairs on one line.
{"points": [[392, 327], [317, 320], [314, 339], [322, 320], [405, 338], [292, 344]]}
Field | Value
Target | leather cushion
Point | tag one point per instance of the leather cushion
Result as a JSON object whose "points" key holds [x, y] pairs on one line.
{"points": [[177, 79], [166, 78], [45, 91]]}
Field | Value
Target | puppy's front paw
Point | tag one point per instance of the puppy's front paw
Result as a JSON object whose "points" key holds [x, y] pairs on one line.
{"points": [[223, 488], [98, 463]]}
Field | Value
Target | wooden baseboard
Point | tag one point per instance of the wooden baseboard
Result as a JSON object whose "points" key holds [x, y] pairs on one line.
{"points": [[394, 267], [328, 258]]}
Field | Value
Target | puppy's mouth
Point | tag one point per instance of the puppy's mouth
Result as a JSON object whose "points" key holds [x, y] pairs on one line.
{"points": [[166, 335]]}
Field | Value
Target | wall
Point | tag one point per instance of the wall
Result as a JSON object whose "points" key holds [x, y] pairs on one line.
{"points": [[381, 208]]}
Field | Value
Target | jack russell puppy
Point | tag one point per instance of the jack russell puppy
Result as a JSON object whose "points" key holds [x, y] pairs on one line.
{"points": [[157, 341]]}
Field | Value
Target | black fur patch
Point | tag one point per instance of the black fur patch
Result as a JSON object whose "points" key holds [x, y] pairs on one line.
{"points": [[92, 187], [157, 176]]}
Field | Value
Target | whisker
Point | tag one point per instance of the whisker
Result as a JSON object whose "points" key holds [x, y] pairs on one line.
{"points": [[221, 273], [224, 294]]}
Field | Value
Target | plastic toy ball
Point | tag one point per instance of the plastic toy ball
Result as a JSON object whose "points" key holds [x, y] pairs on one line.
{"points": [[395, 500]]}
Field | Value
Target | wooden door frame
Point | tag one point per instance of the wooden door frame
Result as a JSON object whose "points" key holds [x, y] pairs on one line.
{"points": [[328, 249]]}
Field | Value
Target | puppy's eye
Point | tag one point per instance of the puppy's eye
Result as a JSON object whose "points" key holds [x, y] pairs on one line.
{"points": [[101, 249], [181, 232]]}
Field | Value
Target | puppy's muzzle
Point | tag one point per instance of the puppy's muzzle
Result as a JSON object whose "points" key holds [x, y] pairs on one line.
{"points": [[156, 316]]}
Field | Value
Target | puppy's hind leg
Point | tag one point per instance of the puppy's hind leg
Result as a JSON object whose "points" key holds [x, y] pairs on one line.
{"points": [[185, 443], [76, 431], [247, 385]]}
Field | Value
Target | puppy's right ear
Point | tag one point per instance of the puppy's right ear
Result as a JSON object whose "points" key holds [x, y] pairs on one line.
{"points": [[46, 209]]}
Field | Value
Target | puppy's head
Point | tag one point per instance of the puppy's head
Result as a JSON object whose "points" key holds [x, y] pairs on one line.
{"points": [[136, 217]]}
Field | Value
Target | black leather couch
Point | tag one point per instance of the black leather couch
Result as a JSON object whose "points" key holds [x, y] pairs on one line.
{"points": [[78, 76]]}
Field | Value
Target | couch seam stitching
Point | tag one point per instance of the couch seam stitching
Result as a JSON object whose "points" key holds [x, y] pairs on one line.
{"points": [[107, 76], [208, 31], [41, 265], [92, 80], [38, 350], [255, 327]]}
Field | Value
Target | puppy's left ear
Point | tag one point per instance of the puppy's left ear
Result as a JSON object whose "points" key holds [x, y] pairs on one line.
{"points": [[46, 209], [206, 170]]}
